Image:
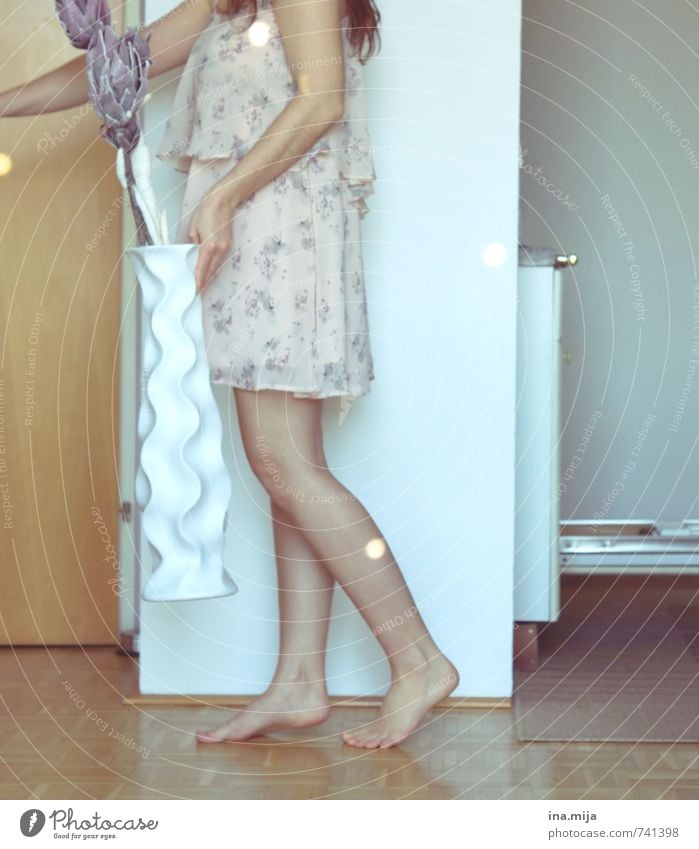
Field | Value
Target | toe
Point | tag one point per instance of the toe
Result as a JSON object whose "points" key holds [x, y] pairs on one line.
{"points": [[388, 739], [356, 739], [212, 735], [368, 740], [204, 733], [206, 738], [354, 734]]}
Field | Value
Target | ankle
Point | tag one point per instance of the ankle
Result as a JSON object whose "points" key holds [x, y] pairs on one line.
{"points": [[308, 677], [408, 662], [418, 659]]}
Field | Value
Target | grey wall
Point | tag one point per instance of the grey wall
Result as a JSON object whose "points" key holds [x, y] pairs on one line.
{"points": [[610, 138]]}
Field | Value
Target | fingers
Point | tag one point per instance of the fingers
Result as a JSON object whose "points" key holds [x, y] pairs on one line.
{"points": [[212, 253], [204, 269], [207, 258], [210, 232]]}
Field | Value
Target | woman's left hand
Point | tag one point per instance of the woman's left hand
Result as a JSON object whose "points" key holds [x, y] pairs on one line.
{"points": [[211, 227]]}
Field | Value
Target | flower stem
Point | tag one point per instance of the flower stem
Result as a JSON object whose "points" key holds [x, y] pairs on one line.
{"points": [[142, 234]]}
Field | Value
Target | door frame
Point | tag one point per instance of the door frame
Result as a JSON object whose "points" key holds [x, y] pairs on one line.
{"points": [[129, 346]]}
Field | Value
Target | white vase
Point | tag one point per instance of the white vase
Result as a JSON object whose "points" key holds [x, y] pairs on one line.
{"points": [[182, 483]]}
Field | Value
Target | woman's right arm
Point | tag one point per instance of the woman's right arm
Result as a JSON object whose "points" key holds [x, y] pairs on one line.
{"points": [[173, 36]]}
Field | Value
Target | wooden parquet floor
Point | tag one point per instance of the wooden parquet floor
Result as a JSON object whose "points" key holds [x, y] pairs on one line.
{"points": [[66, 733]]}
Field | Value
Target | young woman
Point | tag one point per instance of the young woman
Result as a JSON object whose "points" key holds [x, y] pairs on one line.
{"points": [[268, 124]]}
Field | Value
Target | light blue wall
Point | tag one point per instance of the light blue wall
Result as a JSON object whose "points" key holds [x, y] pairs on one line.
{"points": [[430, 450]]}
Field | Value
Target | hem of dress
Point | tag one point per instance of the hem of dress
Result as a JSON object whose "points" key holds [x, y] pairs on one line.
{"points": [[297, 391]]}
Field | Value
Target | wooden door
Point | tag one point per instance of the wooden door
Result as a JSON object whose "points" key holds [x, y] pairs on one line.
{"points": [[60, 248]]}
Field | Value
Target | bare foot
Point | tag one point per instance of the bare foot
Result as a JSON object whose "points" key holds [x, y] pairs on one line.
{"points": [[405, 704], [280, 707]]}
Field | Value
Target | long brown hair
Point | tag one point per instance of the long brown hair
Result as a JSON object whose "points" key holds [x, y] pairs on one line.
{"points": [[364, 20]]}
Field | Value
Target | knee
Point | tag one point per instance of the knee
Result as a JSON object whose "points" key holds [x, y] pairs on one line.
{"points": [[284, 480], [270, 474]]}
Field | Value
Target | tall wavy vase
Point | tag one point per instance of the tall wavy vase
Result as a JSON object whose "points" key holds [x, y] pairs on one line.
{"points": [[182, 483]]}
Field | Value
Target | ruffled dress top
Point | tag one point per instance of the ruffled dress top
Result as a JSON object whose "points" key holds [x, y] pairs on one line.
{"points": [[231, 90]]}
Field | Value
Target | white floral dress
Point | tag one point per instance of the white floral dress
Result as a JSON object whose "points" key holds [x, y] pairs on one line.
{"points": [[287, 309]]}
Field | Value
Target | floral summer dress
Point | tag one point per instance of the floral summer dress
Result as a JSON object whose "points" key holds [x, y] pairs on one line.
{"points": [[287, 309]]}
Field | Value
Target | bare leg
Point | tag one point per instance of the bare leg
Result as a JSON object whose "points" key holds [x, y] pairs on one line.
{"points": [[297, 696], [280, 437]]}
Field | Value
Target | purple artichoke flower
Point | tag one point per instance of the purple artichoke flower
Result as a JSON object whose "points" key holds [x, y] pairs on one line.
{"points": [[82, 18], [117, 76]]}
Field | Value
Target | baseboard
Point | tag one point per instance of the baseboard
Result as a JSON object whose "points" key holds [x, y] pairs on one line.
{"points": [[179, 700]]}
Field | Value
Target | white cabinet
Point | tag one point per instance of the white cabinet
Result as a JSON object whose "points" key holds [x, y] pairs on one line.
{"points": [[537, 435]]}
